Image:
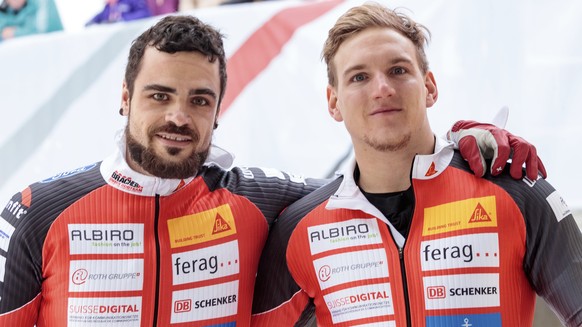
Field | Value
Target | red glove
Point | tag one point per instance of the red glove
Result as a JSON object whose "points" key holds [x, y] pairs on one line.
{"points": [[477, 142]]}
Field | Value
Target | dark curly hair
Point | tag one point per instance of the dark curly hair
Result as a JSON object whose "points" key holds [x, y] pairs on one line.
{"points": [[174, 34]]}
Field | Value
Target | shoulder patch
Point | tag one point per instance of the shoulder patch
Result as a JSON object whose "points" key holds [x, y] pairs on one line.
{"points": [[69, 173], [558, 205]]}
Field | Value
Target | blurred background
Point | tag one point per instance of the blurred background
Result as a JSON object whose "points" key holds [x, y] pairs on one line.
{"points": [[60, 85]]}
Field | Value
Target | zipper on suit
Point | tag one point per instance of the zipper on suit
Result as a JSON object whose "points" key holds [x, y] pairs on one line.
{"points": [[404, 284], [157, 242]]}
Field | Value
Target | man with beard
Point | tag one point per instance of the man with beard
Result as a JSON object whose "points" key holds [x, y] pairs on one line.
{"points": [[159, 233], [408, 236]]}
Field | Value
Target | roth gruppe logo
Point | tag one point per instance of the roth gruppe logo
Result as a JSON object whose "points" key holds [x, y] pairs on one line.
{"points": [[352, 266]]}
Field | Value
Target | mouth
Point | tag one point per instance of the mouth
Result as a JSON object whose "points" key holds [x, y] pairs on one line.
{"points": [[381, 111], [176, 141], [174, 138]]}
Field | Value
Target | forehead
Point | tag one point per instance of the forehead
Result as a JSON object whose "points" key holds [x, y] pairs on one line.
{"points": [[189, 67], [374, 44]]}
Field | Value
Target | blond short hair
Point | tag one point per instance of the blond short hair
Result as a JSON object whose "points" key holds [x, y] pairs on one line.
{"points": [[369, 15]]}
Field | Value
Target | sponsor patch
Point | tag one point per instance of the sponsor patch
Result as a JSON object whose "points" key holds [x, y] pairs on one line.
{"points": [[6, 231], [106, 275], [201, 227], [275, 173], [16, 209], [343, 234], [431, 170], [247, 173], [528, 181], [461, 291], [105, 238], [106, 312], [470, 213], [469, 320], [360, 302], [464, 251], [69, 173], [125, 182], [2, 267], [352, 266], [558, 205], [207, 263], [271, 172], [204, 303]]}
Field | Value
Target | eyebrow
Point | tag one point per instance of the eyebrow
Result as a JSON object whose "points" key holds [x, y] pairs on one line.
{"points": [[166, 89], [157, 87], [205, 91]]}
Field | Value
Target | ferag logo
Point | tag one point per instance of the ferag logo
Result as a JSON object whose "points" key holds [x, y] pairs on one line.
{"points": [[462, 251], [201, 227], [459, 215], [183, 306], [436, 292], [479, 215]]}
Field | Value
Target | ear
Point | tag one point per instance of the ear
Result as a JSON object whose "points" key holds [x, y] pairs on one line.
{"points": [[215, 122], [124, 111], [332, 103], [432, 93]]}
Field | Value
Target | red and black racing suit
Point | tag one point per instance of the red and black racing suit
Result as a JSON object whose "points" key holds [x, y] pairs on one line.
{"points": [[106, 246], [476, 253]]}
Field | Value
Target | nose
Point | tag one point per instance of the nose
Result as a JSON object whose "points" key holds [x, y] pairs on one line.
{"points": [[382, 86], [179, 115]]}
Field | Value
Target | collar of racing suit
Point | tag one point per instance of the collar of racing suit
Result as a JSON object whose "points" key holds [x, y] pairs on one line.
{"points": [[119, 175], [349, 196]]}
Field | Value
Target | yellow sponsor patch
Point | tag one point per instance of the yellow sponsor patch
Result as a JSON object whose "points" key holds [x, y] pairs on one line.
{"points": [[470, 213], [201, 227]]}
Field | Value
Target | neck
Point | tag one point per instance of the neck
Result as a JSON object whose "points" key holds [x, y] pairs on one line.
{"points": [[386, 172]]}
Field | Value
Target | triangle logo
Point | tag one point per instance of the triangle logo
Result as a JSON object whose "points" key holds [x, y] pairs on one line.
{"points": [[180, 185], [479, 215], [220, 225], [431, 170]]}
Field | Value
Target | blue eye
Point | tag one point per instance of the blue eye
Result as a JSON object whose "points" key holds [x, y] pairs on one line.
{"points": [[358, 78], [399, 71]]}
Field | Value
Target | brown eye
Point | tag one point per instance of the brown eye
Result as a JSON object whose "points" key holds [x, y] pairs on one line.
{"points": [[200, 101], [160, 96]]}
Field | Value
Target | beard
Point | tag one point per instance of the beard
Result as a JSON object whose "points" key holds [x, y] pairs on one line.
{"points": [[388, 146], [154, 164]]}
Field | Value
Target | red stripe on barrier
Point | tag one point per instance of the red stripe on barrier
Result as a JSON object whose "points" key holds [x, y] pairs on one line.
{"points": [[265, 44]]}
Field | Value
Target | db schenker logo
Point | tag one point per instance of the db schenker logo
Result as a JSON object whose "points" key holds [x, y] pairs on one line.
{"points": [[436, 292], [183, 306]]}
